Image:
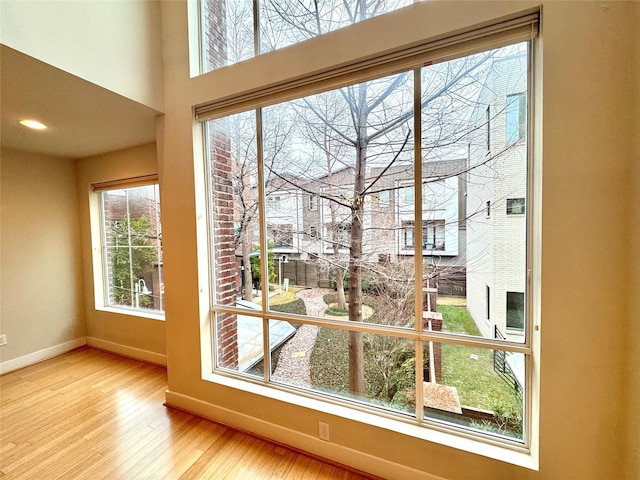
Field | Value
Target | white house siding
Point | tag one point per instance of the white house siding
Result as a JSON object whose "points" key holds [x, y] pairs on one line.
{"points": [[495, 242]]}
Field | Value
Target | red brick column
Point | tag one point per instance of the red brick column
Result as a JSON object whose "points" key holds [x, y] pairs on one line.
{"points": [[224, 246], [215, 34]]}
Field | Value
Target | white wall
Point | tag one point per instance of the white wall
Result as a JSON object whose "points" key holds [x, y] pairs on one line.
{"points": [[41, 276], [585, 138], [114, 44]]}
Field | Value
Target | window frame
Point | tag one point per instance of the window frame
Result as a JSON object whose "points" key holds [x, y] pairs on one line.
{"points": [[98, 235], [507, 346]]}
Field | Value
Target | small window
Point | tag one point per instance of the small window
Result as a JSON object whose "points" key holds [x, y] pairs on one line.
{"points": [[515, 310], [273, 201], [433, 235], [488, 208], [384, 198], [408, 234], [132, 248], [488, 303], [313, 231], [408, 195], [313, 202], [515, 206], [516, 123], [343, 235]]}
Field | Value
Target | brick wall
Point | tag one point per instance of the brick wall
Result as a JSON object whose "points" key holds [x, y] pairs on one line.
{"points": [[223, 245], [215, 41]]}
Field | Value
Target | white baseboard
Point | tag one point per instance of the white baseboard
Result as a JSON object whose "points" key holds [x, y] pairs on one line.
{"points": [[40, 355], [307, 443], [127, 351]]}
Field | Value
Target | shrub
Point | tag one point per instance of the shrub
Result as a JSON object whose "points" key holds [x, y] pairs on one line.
{"points": [[338, 312]]}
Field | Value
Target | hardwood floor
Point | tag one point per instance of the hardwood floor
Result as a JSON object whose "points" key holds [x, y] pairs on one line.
{"points": [[90, 415]]}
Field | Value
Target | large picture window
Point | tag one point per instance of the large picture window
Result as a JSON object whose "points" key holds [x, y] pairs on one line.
{"points": [[132, 248], [368, 314]]}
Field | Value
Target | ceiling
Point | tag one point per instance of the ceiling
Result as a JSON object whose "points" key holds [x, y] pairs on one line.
{"points": [[83, 118]]}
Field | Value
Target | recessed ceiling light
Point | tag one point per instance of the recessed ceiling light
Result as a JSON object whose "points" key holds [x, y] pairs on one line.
{"points": [[36, 125]]}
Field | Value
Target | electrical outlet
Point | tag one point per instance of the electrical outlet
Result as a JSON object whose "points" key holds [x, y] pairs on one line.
{"points": [[323, 431], [3, 340]]}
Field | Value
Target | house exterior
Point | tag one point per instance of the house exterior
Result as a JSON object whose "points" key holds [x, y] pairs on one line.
{"points": [[496, 228], [306, 225]]}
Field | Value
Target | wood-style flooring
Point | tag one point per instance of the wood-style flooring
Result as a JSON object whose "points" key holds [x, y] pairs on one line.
{"points": [[92, 415]]}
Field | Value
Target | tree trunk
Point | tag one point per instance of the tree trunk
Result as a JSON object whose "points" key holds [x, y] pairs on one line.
{"points": [[357, 384]]}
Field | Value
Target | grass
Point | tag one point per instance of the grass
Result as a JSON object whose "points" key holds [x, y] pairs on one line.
{"points": [[457, 320], [478, 385], [286, 302], [338, 312]]}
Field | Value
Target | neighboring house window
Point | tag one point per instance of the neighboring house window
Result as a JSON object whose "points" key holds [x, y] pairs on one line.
{"points": [[516, 122], [432, 234], [313, 202], [488, 208], [488, 291], [408, 232], [313, 231], [515, 206], [132, 248], [408, 195], [343, 235], [281, 235], [383, 198], [274, 201], [515, 310], [382, 370]]}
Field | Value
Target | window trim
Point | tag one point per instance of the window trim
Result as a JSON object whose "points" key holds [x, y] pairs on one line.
{"points": [[99, 247], [521, 28]]}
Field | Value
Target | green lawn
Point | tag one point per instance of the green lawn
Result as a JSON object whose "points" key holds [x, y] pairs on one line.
{"points": [[458, 320], [477, 383]]}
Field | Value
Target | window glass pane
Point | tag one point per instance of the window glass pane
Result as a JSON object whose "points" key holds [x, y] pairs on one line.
{"points": [[235, 212], [320, 359], [472, 255], [132, 247], [228, 35], [475, 387], [239, 343], [515, 310], [324, 146]]}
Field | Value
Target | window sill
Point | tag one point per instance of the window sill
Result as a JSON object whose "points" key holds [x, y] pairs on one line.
{"points": [[513, 454], [133, 313]]}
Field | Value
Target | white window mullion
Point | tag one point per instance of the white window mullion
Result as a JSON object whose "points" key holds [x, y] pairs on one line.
{"points": [[417, 246], [264, 250]]}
